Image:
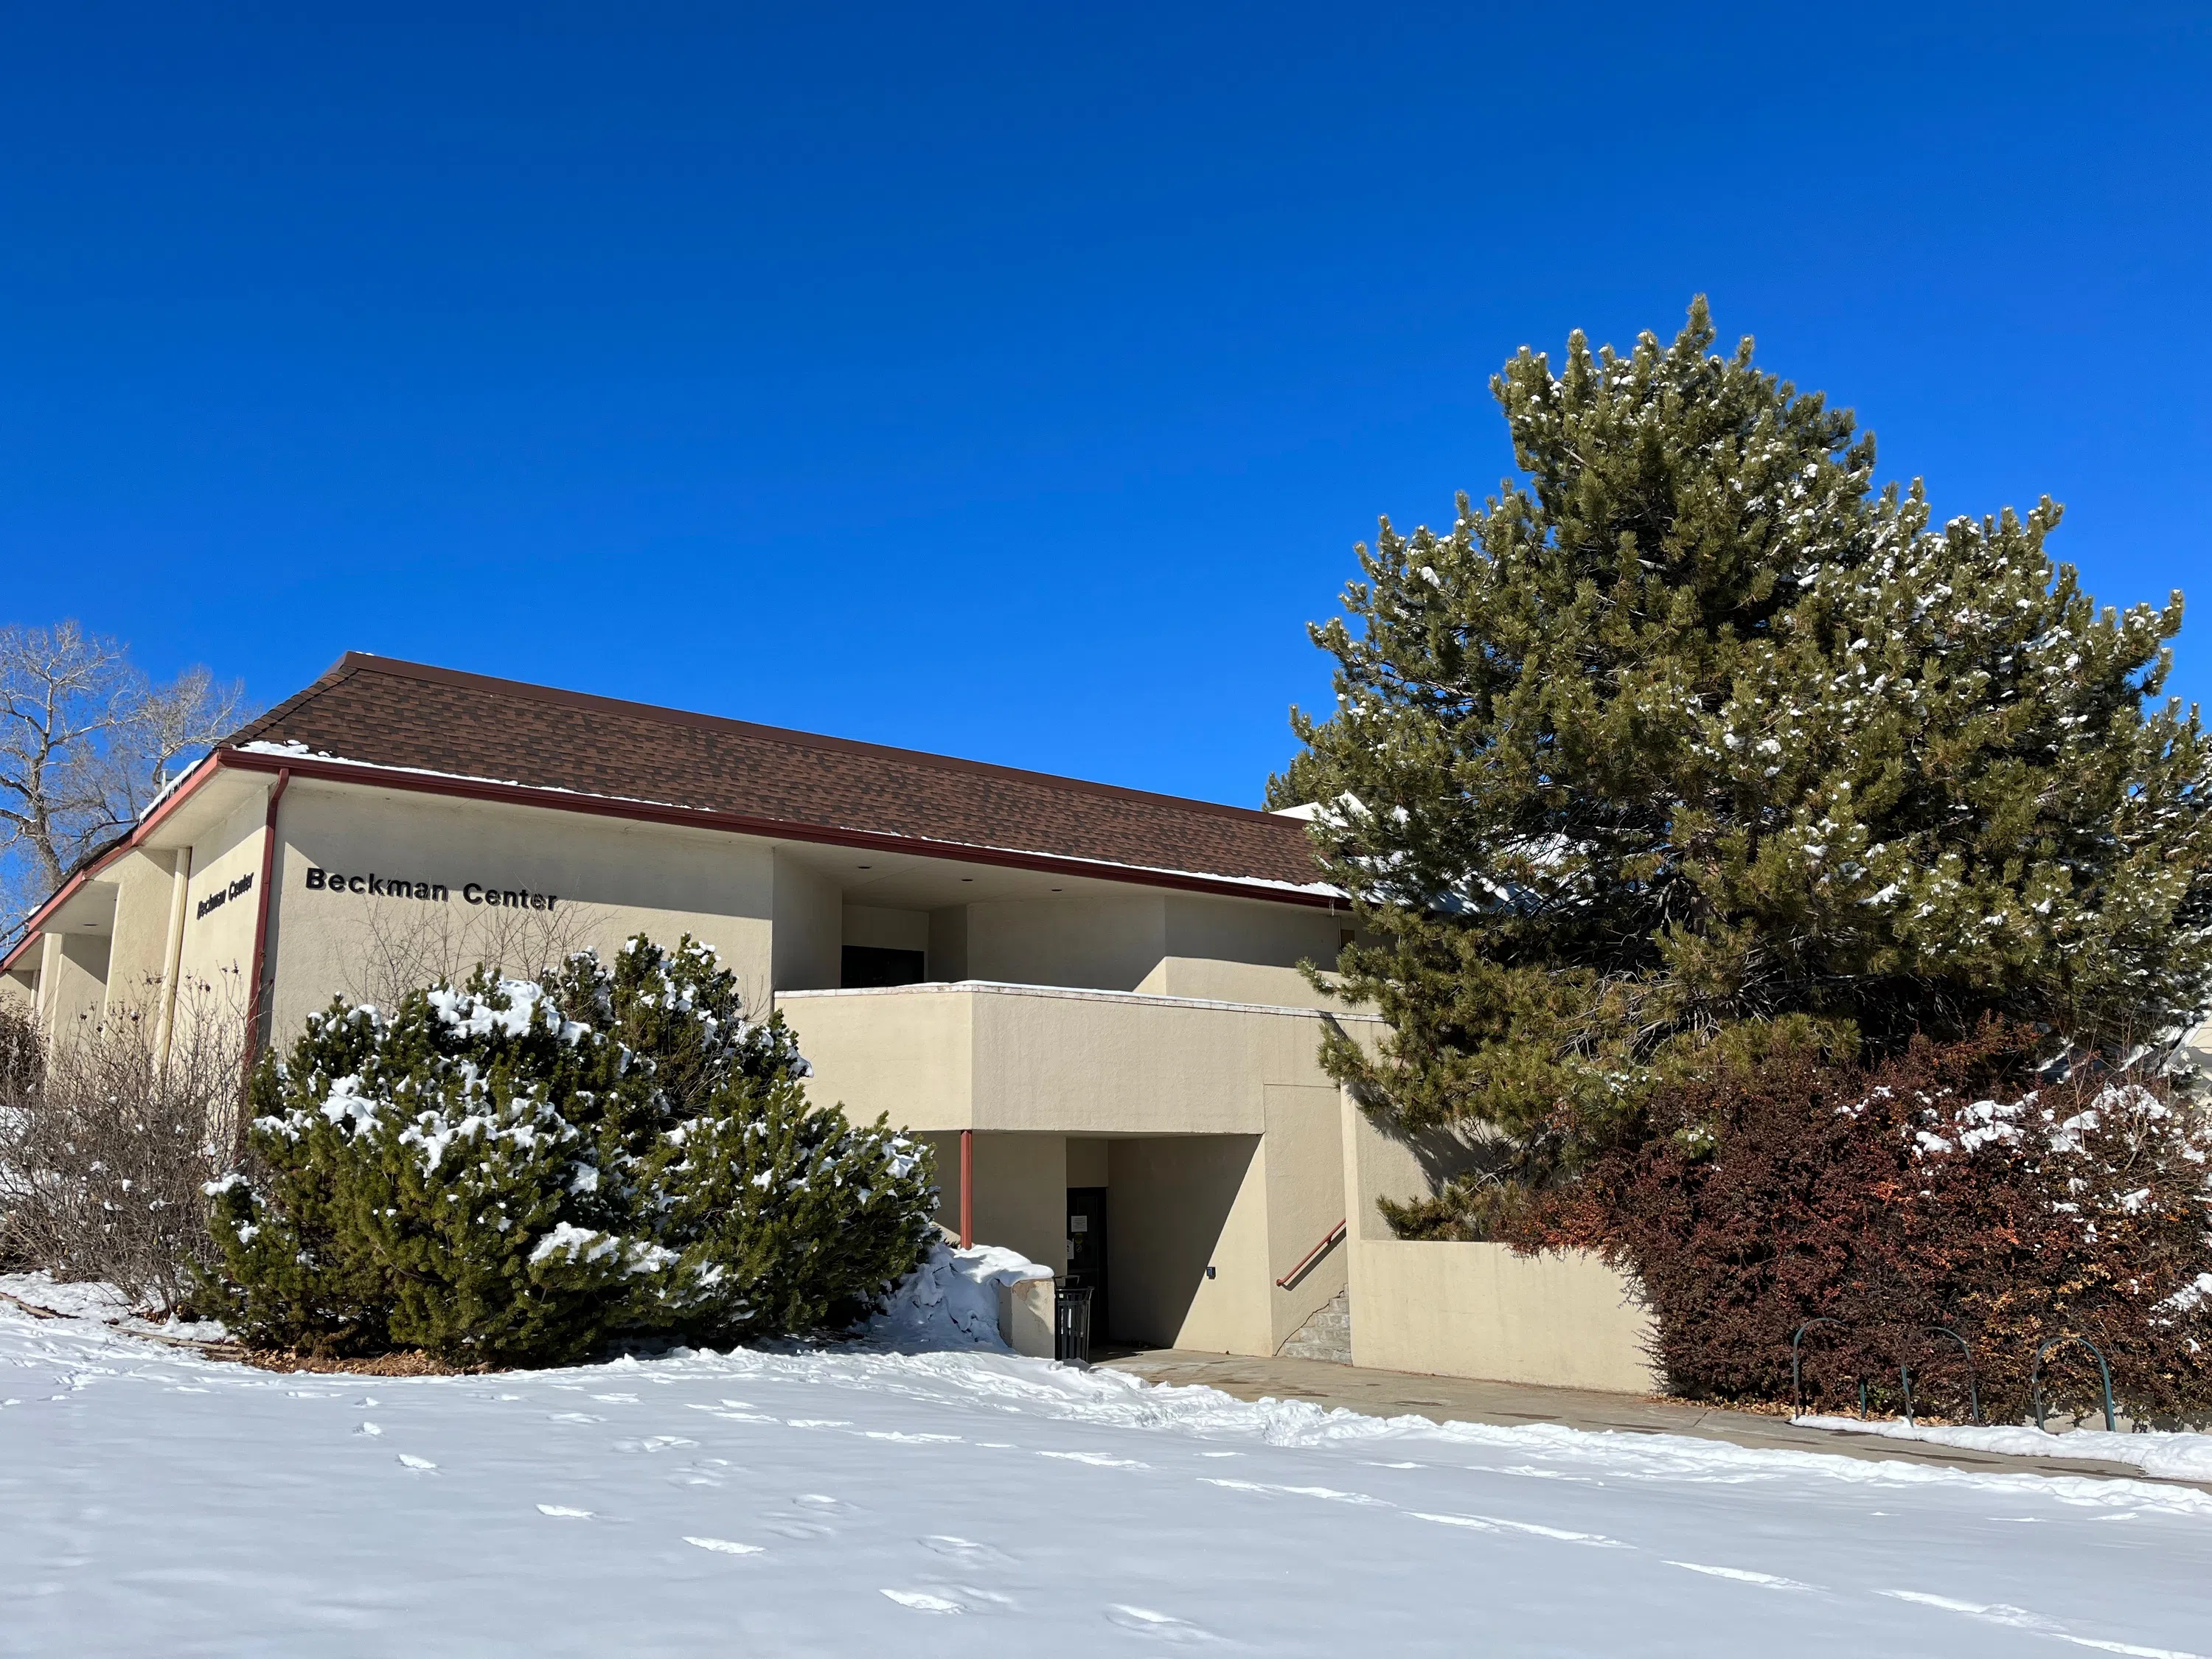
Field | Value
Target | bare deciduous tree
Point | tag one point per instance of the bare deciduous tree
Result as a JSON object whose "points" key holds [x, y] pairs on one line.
{"points": [[105, 1142], [406, 945], [87, 744]]}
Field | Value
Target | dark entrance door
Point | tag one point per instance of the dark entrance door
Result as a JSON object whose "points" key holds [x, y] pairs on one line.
{"points": [[1086, 1253]]}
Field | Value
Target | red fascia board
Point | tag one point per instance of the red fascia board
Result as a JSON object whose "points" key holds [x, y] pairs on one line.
{"points": [[190, 782], [562, 800]]}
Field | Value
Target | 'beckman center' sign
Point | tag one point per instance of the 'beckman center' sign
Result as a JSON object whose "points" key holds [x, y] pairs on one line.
{"points": [[473, 892]]}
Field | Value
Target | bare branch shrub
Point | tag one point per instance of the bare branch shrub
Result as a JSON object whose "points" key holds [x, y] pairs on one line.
{"points": [[407, 946], [106, 1143]]}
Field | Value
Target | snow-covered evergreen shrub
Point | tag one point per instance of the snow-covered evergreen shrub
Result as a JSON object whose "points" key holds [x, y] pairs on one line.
{"points": [[510, 1171]]}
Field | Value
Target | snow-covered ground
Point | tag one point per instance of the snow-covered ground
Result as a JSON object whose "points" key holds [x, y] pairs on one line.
{"points": [[866, 1503], [2170, 1456]]}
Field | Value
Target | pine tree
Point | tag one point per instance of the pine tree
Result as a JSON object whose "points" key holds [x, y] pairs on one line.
{"points": [[510, 1172], [1694, 727]]}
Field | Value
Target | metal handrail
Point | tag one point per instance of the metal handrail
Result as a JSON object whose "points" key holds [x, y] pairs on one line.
{"points": [[1313, 1256], [2103, 1374]]}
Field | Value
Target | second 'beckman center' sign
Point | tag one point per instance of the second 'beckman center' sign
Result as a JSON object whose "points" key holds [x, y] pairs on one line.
{"points": [[474, 892]]}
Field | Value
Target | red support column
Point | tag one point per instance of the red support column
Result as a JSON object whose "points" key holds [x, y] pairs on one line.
{"points": [[967, 1189]]}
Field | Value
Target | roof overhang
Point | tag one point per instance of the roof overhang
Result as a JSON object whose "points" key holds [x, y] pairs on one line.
{"points": [[200, 798]]}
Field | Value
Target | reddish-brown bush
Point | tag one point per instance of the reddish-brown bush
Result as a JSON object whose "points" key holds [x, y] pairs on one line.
{"points": [[1948, 1188]]}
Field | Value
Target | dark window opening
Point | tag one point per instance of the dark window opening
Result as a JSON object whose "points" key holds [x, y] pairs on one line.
{"points": [[868, 966]]}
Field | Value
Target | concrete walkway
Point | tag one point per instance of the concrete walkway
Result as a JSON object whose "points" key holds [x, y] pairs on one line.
{"points": [[1464, 1399]]}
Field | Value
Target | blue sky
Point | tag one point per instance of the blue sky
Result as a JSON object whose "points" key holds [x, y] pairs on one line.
{"points": [[1014, 381]]}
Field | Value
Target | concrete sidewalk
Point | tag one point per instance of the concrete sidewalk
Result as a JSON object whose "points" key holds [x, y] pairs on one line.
{"points": [[1464, 1399]]}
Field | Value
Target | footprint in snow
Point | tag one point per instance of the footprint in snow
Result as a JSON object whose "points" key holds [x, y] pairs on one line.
{"points": [[922, 1602], [796, 1526], [821, 1501], [1165, 1626], [1329, 1492], [368, 1429], [2000, 1613], [965, 1550], [653, 1443], [1096, 1460], [1494, 1524], [562, 1512], [572, 1417], [724, 1546], [617, 1399], [416, 1463], [1745, 1576]]}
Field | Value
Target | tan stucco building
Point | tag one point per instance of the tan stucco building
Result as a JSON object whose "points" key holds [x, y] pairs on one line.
{"points": [[1098, 987], [1089, 998]]}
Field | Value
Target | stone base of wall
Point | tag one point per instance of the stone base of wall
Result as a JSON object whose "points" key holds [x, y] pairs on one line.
{"points": [[1326, 1335]]}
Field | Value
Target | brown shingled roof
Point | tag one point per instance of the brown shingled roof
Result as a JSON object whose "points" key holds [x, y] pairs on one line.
{"points": [[386, 713]]}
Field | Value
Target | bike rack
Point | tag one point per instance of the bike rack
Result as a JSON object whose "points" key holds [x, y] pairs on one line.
{"points": [[1973, 1391], [1904, 1372], [2104, 1375], [1796, 1377]]}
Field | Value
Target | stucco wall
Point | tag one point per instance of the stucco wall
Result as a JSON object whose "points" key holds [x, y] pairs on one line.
{"points": [[948, 942], [1087, 1163], [218, 946], [1054, 1061], [1020, 1193], [72, 979], [608, 881], [1176, 1204], [806, 915], [138, 960], [1303, 1155], [1106, 944], [1218, 1133], [1251, 930], [1561, 1320], [1212, 979], [887, 929]]}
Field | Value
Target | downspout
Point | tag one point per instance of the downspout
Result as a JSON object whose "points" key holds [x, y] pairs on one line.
{"points": [[180, 890], [254, 999]]}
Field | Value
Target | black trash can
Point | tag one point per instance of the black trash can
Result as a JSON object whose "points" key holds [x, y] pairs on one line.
{"points": [[1071, 1337]]}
